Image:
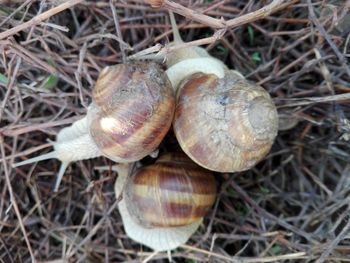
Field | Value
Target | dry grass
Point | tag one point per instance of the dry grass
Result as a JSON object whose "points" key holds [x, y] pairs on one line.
{"points": [[292, 207]]}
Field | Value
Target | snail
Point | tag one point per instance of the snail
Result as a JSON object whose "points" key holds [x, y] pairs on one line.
{"points": [[131, 111], [222, 121], [164, 203]]}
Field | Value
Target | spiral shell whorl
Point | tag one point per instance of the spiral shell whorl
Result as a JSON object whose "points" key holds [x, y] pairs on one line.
{"points": [[170, 194], [160, 238], [133, 109], [226, 124], [157, 238]]}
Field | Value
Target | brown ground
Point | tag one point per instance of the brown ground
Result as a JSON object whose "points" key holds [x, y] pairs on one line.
{"points": [[292, 207]]}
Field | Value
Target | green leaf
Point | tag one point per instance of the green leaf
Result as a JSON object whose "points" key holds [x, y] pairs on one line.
{"points": [[3, 79], [276, 250], [50, 82], [255, 57], [221, 50], [251, 35], [264, 189], [6, 11]]}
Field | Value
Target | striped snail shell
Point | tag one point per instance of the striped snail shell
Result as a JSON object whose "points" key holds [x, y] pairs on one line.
{"points": [[224, 124], [164, 203], [133, 112]]}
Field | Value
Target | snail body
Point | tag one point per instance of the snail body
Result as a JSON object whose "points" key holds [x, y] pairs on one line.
{"points": [[131, 111], [222, 121], [163, 204]]}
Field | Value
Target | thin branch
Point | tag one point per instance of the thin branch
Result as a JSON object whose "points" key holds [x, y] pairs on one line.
{"points": [[311, 100], [327, 37], [117, 27], [263, 12], [40, 18], [166, 49], [219, 24], [13, 200]]}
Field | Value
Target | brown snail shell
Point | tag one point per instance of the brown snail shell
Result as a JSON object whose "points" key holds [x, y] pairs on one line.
{"points": [[131, 111], [224, 124], [164, 203], [170, 193], [133, 106]]}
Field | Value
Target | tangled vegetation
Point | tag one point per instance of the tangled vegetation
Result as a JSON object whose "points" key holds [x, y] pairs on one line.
{"points": [[292, 207]]}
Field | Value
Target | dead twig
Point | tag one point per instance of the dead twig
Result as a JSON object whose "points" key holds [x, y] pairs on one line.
{"points": [[40, 18], [13, 201], [265, 11], [327, 37]]}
